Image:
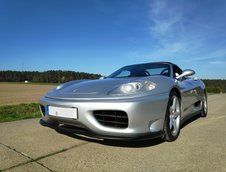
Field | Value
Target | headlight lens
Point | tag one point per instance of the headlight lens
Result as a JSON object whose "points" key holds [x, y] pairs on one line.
{"points": [[134, 88], [131, 87]]}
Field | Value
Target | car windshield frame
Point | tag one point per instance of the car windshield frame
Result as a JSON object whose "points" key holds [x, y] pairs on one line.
{"points": [[142, 70]]}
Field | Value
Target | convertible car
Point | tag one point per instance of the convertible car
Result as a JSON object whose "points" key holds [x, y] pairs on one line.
{"points": [[136, 102]]}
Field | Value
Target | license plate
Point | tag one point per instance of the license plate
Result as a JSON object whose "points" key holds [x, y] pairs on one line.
{"points": [[63, 112]]}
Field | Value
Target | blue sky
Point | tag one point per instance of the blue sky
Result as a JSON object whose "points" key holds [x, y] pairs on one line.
{"points": [[100, 36]]}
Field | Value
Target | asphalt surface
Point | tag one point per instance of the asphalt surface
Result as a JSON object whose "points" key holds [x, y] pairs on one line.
{"points": [[28, 146]]}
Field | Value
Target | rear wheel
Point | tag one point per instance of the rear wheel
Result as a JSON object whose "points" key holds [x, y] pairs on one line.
{"points": [[204, 106], [173, 117]]}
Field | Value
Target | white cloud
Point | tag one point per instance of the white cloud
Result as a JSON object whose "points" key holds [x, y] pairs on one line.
{"points": [[218, 62], [217, 56], [179, 37], [184, 36], [167, 29]]}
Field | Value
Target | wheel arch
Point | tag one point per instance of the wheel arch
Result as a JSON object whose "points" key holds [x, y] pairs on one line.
{"points": [[176, 90]]}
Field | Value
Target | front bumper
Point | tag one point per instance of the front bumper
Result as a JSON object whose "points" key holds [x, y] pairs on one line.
{"points": [[71, 130], [146, 116]]}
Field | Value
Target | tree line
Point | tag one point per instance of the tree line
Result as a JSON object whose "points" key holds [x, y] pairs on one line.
{"points": [[51, 76], [215, 85]]}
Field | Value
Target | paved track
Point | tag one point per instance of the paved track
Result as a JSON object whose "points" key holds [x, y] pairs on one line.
{"points": [[201, 146]]}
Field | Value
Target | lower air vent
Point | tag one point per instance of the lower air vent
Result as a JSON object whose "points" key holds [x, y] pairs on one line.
{"points": [[112, 118], [43, 110]]}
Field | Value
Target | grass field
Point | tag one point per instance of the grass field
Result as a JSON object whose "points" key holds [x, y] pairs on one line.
{"points": [[19, 112], [17, 93], [20, 101]]}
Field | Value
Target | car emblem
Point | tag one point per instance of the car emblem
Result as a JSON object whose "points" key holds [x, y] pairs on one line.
{"points": [[74, 90]]}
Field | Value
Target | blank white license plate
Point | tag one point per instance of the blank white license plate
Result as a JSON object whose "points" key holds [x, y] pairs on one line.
{"points": [[63, 112]]}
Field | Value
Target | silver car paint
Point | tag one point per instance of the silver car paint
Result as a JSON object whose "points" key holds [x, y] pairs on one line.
{"points": [[142, 113], [146, 112]]}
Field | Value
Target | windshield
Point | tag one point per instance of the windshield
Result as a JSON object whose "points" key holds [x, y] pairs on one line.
{"points": [[142, 70]]}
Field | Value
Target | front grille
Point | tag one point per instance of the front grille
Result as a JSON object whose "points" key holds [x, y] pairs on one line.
{"points": [[43, 110], [112, 118]]}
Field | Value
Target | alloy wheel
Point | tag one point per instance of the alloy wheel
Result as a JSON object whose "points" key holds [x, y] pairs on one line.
{"points": [[174, 116]]}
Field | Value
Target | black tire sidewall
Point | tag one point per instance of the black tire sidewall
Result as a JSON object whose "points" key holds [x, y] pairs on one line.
{"points": [[204, 114]]}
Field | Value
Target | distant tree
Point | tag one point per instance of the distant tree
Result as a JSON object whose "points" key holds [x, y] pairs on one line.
{"points": [[213, 90], [52, 76], [215, 85]]}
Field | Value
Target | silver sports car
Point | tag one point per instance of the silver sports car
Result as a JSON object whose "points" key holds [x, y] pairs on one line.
{"points": [[135, 102]]}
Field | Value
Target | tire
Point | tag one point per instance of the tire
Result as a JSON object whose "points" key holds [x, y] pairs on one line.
{"points": [[173, 118], [204, 106]]}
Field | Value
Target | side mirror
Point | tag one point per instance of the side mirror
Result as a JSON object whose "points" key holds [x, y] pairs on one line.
{"points": [[187, 72]]}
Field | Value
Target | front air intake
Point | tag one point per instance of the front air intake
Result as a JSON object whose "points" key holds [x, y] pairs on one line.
{"points": [[42, 109], [112, 118]]}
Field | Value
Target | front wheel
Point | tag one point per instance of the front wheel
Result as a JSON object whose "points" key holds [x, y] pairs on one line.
{"points": [[204, 106], [173, 117]]}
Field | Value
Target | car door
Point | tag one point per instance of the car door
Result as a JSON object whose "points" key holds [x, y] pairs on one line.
{"points": [[189, 91]]}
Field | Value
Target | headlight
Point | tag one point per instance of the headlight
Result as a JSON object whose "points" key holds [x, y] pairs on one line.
{"points": [[134, 88], [131, 87]]}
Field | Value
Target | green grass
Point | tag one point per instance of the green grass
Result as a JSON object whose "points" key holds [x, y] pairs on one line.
{"points": [[19, 112]]}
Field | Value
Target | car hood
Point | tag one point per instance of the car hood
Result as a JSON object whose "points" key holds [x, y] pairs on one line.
{"points": [[89, 88], [100, 89]]}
